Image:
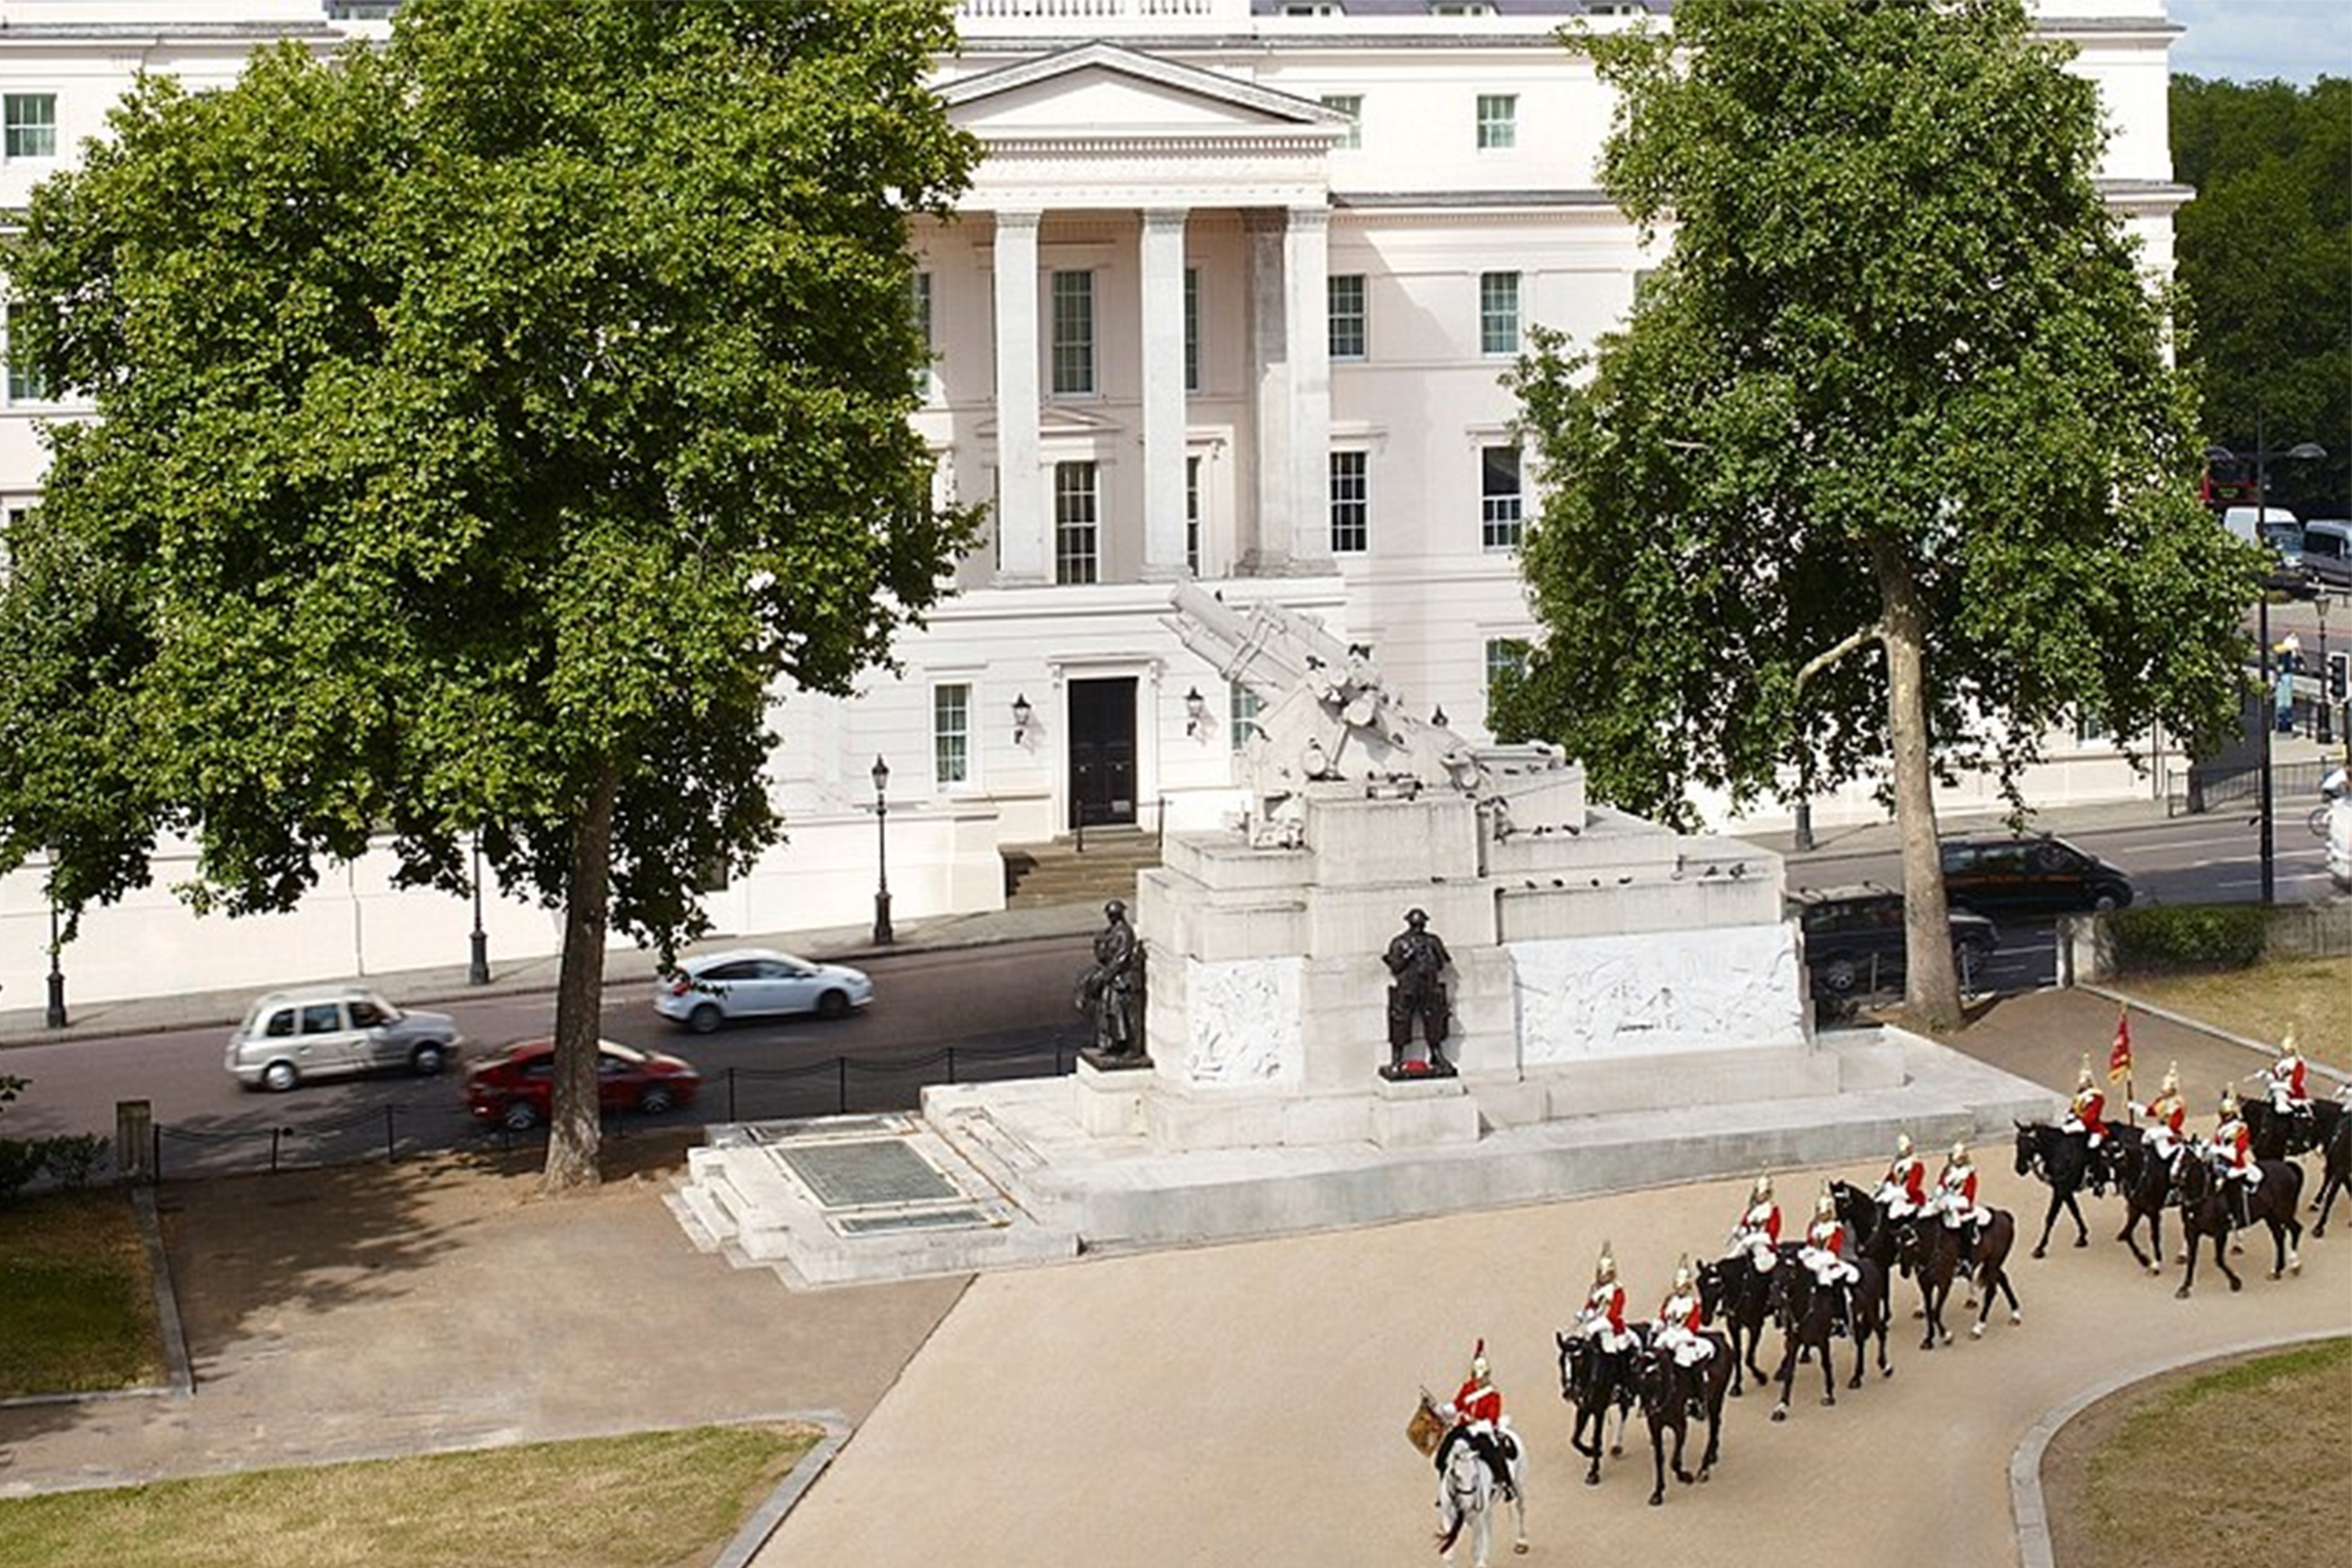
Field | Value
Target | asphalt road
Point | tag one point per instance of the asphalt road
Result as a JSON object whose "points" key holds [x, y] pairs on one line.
{"points": [[1004, 1010]]}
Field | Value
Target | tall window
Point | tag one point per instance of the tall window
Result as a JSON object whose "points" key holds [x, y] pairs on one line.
{"points": [[1498, 120], [1350, 504], [30, 121], [1193, 515], [1498, 312], [1505, 656], [1346, 295], [25, 381], [923, 325], [1500, 507], [1351, 104], [1074, 334], [1076, 521], [952, 734], [1191, 328], [1241, 707]]}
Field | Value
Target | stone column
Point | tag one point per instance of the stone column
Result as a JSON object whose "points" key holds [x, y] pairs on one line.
{"points": [[1268, 537], [1162, 320], [1021, 519], [1306, 266]]}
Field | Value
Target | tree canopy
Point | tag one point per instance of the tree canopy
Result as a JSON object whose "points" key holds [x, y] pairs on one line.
{"points": [[1899, 388], [2265, 256], [485, 424]]}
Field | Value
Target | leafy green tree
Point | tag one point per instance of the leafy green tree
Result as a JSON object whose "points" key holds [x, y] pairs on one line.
{"points": [[487, 425], [2265, 256], [1898, 388]]}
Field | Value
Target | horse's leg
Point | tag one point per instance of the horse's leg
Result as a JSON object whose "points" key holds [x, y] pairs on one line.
{"points": [[2049, 1220], [2082, 1231], [1624, 1414], [1657, 1463], [2192, 1235], [1786, 1377]]}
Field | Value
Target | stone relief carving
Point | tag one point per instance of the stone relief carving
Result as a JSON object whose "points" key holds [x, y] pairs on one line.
{"points": [[1244, 1021], [1687, 989]]}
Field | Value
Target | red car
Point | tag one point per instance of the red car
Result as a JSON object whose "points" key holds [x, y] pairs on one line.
{"points": [[513, 1087]]}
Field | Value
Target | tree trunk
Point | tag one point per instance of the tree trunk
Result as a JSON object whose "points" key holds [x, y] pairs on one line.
{"points": [[1932, 989], [574, 1130]]}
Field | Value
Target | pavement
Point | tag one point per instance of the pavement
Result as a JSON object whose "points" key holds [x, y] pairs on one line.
{"points": [[1182, 1406]]}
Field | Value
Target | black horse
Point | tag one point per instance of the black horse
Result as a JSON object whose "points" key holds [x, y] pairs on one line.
{"points": [[1807, 1316], [2062, 1159], [1940, 1254], [2335, 1172], [1592, 1380], [1667, 1396], [2146, 1182], [1738, 1298], [1875, 1237], [2205, 1210], [2277, 1137]]}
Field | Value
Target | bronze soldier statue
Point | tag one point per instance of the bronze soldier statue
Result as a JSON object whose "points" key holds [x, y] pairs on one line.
{"points": [[1112, 990], [1417, 958]]}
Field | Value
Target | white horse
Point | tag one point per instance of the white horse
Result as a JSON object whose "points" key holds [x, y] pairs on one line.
{"points": [[1466, 1499]]}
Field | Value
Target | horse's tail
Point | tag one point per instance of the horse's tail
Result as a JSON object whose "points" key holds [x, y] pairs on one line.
{"points": [[1446, 1538]]}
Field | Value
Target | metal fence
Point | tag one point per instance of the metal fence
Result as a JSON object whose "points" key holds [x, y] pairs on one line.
{"points": [[837, 1085], [2293, 784]]}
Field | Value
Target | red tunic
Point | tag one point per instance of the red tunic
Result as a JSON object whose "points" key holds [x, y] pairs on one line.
{"points": [[1671, 1315], [2089, 1104], [2287, 1072], [2171, 1111], [1764, 1216], [1477, 1400], [1828, 1235], [2235, 1145], [1966, 1184]]}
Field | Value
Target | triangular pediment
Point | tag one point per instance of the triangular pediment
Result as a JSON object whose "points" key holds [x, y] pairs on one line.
{"points": [[1102, 89]]}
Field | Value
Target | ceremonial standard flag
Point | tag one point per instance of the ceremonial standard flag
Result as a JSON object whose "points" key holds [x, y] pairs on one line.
{"points": [[2119, 1058]]}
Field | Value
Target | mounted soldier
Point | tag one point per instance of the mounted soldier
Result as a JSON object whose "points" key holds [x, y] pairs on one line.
{"points": [[1476, 1418], [1824, 1253], [2086, 1117], [1602, 1320], [2232, 1156], [1757, 1234], [1903, 1191], [1680, 1331], [2166, 1114], [1955, 1201]]}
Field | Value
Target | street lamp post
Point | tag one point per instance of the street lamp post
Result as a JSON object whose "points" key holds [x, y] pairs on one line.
{"points": [[2325, 730], [478, 965], [2301, 451], [56, 1016], [882, 934]]}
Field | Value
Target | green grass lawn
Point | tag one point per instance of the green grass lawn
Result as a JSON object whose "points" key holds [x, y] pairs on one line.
{"points": [[75, 1297], [2305, 995], [656, 1500], [2245, 1458]]}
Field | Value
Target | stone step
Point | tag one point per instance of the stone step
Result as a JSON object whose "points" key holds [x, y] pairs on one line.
{"points": [[1059, 873]]}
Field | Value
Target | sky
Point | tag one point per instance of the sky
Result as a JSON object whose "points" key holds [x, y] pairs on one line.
{"points": [[2297, 41]]}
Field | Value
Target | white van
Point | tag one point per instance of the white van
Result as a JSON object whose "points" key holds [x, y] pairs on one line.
{"points": [[2271, 525]]}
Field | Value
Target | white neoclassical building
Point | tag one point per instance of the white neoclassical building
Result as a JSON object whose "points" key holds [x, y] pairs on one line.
{"points": [[1230, 299]]}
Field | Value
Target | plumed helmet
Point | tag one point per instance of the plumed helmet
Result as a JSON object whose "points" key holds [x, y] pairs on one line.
{"points": [[2083, 1079], [1683, 1273], [1604, 1271], [1825, 1206], [1903, 1145], [1960, 1153], [2172, 1078], [2230, 1101], [2286, 1045], [1763, 1188], [1478, 1361]]}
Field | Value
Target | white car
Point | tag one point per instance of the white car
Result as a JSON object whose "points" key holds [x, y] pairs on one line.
{"points": [[705, 991]]}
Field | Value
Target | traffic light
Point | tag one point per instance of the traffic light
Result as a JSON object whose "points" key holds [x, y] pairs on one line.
{"points": [[2339, 677]]}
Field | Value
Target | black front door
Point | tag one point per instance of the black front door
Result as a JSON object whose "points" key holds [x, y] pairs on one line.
{"points": [[1102, 751]]}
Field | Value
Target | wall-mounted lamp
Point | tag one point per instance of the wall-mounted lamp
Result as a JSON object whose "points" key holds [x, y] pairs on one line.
{"points": [[1022, 714], [1196, 712], [1438, 717]]}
